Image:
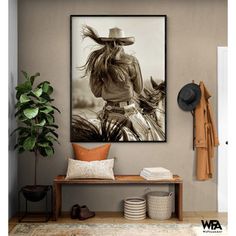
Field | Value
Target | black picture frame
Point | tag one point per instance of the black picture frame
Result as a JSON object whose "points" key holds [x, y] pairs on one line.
{"points": [[73, 137]]}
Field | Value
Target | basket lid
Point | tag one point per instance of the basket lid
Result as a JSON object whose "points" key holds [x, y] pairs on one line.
{"points": [[158, 194]]}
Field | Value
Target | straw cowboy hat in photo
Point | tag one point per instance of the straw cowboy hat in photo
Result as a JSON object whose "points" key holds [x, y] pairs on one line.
{"points": [[189, 96], [117, 34]]}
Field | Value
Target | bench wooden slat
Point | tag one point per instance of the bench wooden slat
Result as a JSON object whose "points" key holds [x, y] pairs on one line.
{"points": [[119, 179]]}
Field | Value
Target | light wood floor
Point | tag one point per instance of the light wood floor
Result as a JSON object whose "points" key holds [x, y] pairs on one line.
{"points": [[117, 218]]}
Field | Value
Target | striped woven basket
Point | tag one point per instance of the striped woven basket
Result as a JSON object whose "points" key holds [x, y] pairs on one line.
{"points": [[135, 208]]}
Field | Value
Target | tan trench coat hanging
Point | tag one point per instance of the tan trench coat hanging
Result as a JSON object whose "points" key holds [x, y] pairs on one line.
{"points": [[206, 137]]}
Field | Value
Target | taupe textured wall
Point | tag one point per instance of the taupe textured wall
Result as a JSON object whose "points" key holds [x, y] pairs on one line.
{"points": [[12, 82], [194, 29]]}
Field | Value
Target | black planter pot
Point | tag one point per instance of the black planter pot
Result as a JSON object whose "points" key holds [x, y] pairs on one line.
{"points": [[34, 193]]}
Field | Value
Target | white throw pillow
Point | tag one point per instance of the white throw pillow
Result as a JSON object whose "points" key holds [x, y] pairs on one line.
{"points": [[90, 169]]}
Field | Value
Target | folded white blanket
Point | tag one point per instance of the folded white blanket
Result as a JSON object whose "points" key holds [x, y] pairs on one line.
{"points": [[154, 170], [148, 177]]}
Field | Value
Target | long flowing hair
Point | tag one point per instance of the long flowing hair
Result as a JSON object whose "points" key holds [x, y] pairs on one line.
{"points": [[109, 60]]}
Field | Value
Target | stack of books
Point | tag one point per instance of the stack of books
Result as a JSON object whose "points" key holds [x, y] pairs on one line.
{"points": [[156, 173]]}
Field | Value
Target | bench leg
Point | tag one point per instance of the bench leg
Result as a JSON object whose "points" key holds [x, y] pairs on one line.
{"points": [[57, 200], [179, 200]]}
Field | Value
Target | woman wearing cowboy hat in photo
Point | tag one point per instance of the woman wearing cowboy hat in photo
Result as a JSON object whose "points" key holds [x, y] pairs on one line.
{"points": [[116, 77]]}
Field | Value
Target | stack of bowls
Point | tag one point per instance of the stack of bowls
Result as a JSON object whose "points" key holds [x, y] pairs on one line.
{"points": [[135, 208]]}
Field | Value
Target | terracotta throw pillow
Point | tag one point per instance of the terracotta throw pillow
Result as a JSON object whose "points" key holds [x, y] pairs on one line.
{"points": [[93, 154]]}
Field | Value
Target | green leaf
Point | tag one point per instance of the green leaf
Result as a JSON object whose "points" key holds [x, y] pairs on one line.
{"points": [[42, 123], [51, 139], [53, 125], [21, 140], [47, 97], [21, 108], [34, 130], [18, 104], [49, 151], [17, 129], [42, 100], [30, 113], [43, 144], [56, 109], [29, 143], [21, 130], [52, 131], [38, 92], [50, 90], [46, 109], [24, 98], [45, 87], [32, 78], [41, 84], [23, 88], [50, 118], [25, 74], [22, 117], [24, 134]]}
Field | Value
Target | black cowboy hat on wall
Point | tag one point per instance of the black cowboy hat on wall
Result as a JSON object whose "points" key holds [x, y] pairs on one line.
{"points": [[189, 96]]}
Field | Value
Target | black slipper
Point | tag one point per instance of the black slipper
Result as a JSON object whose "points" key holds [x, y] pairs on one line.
{"points": [[85, 213], [74, 213]]}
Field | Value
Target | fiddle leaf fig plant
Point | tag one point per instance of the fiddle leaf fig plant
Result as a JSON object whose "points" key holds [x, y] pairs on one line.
{"points": [[35, 114]]}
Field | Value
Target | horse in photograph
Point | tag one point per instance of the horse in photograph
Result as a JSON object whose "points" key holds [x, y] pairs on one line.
{"points": [[150, 103]]}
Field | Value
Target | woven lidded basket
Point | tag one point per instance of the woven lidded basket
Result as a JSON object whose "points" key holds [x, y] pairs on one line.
{"points": [[159, 205]]}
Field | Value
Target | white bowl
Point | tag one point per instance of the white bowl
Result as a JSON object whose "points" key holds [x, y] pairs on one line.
{"points": [[136, 208], [135, 212], [135, 205], [135, 201]]}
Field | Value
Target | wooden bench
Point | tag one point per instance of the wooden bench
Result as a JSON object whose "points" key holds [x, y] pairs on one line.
{"points": [[119, 180]]}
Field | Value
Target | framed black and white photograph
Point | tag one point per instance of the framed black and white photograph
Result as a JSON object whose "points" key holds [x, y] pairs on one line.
{"points": [[118, 78]]}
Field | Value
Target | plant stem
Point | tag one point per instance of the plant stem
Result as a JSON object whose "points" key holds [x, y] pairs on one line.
{"points": [[35, 166], [36, 154]]}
